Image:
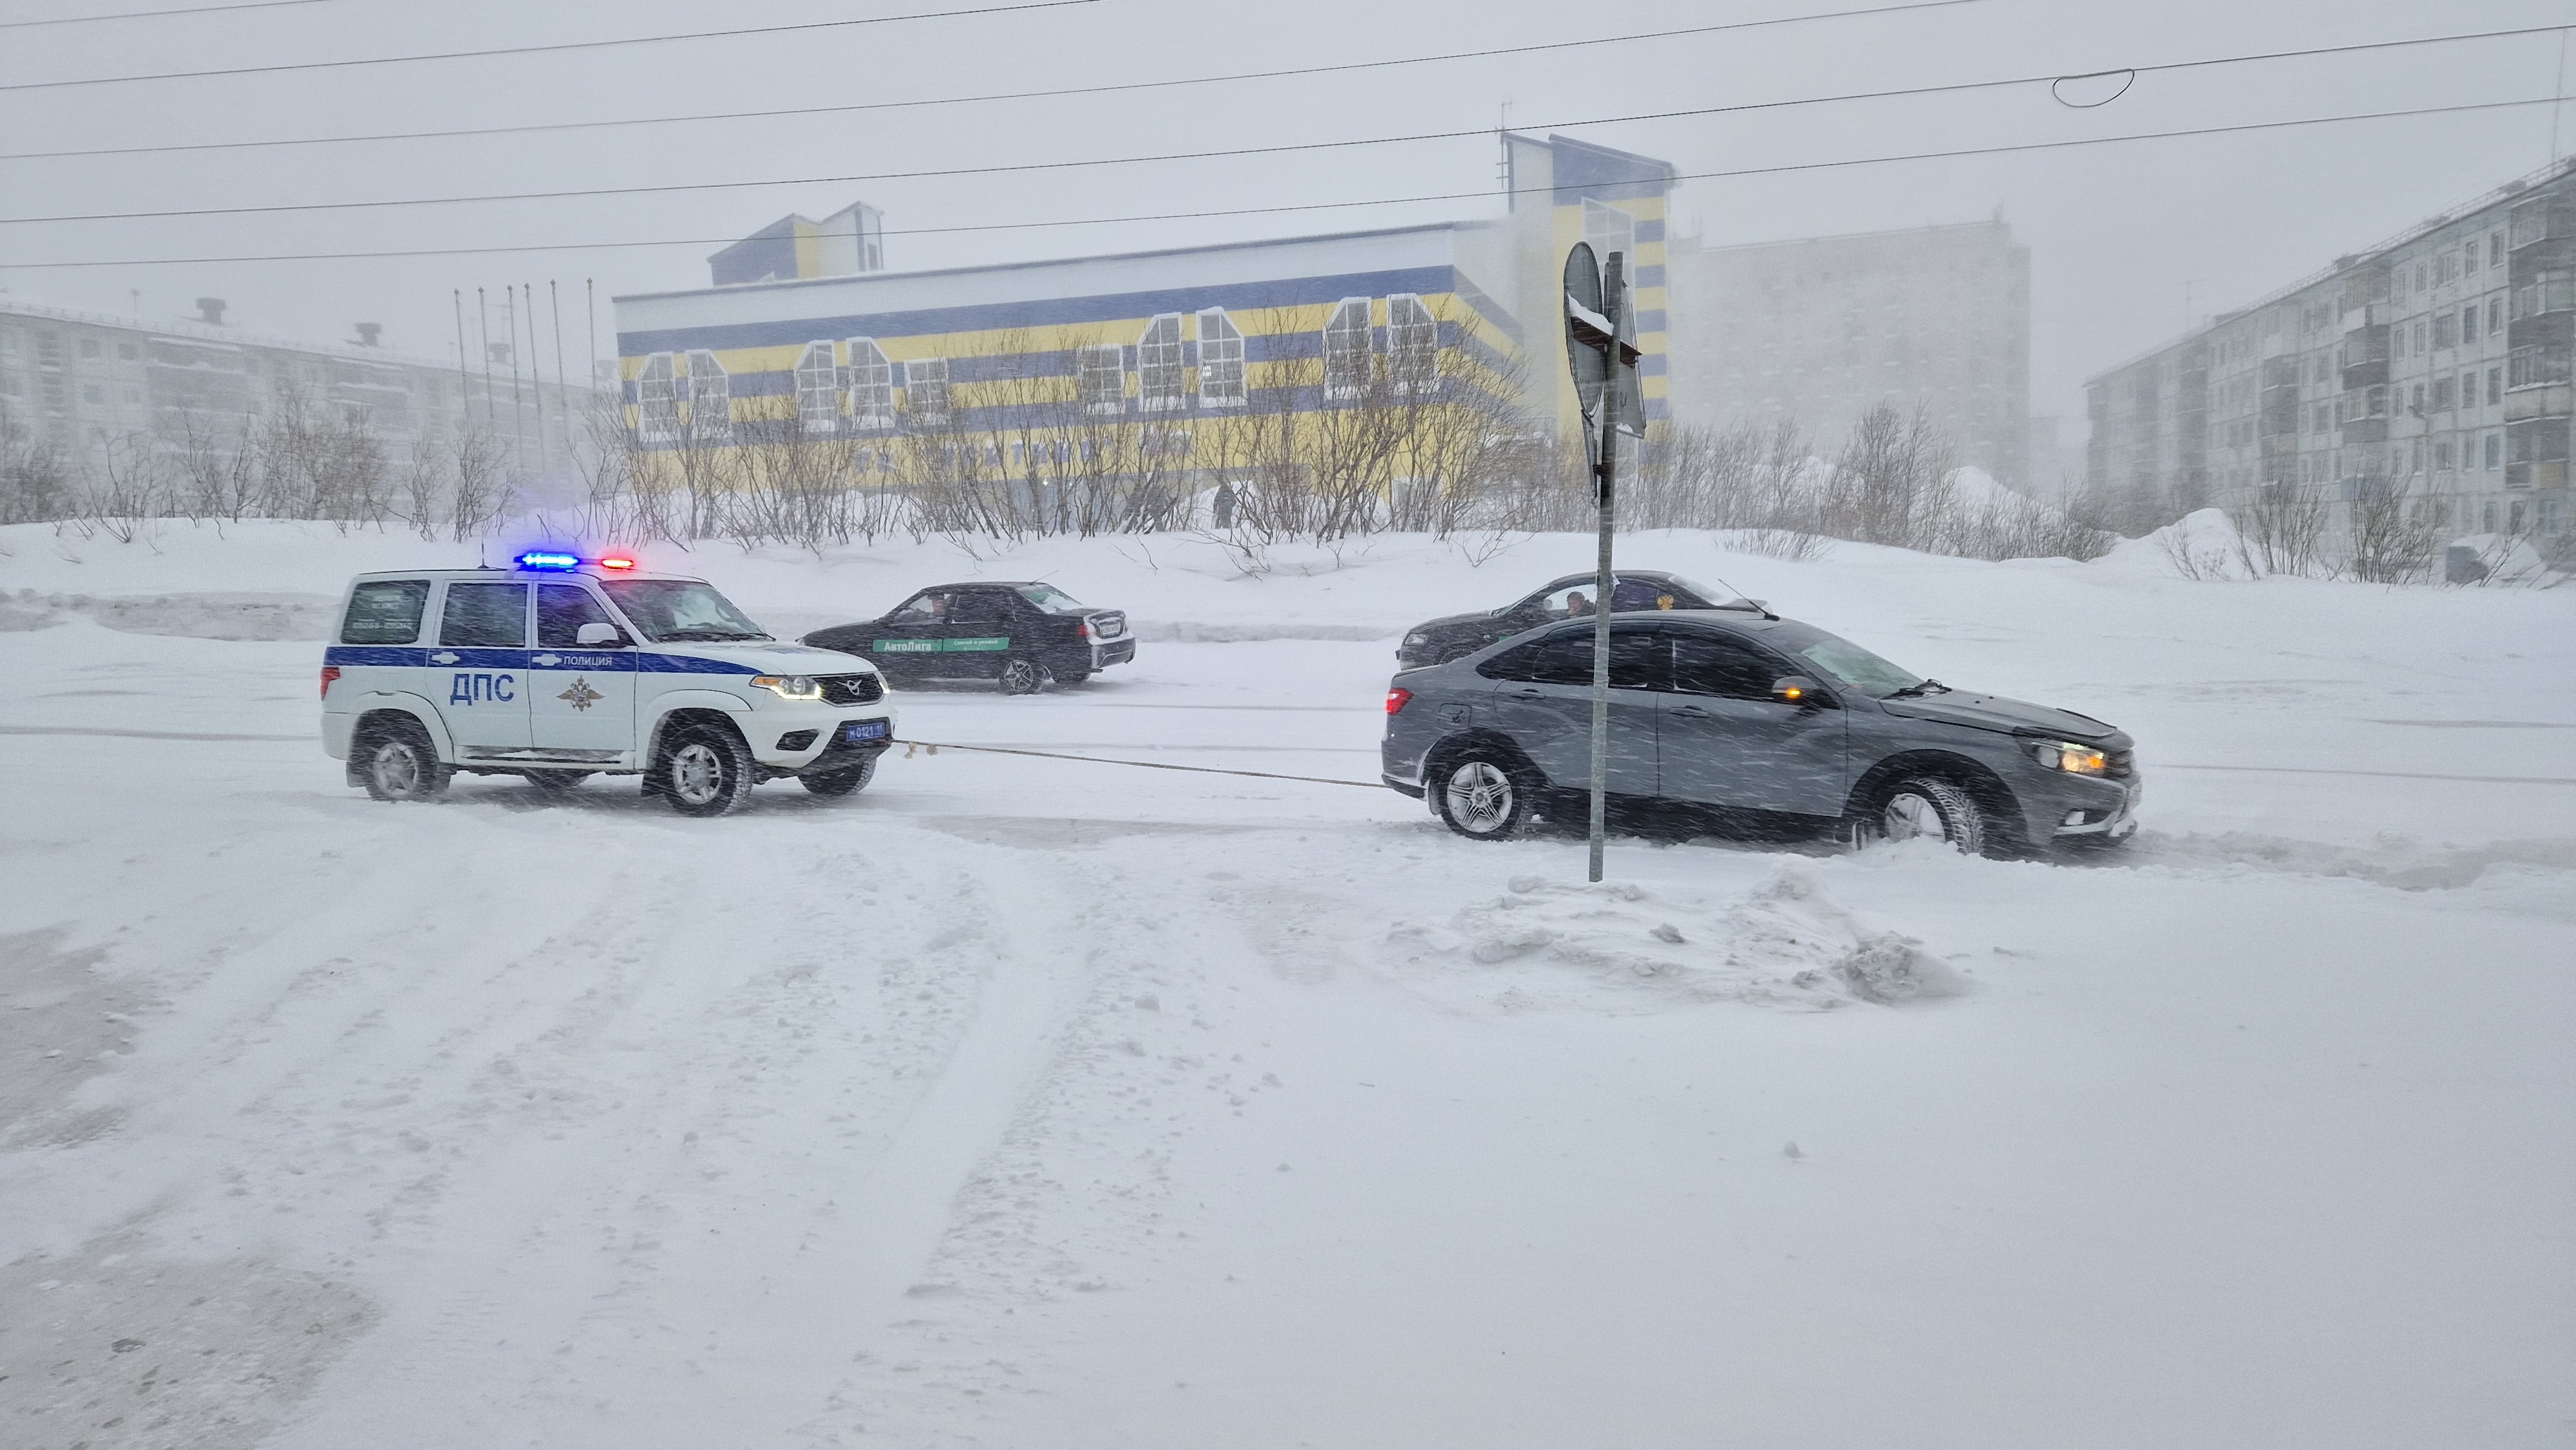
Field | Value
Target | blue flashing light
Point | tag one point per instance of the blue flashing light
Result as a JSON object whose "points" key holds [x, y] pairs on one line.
{"points": [[557, 563]]}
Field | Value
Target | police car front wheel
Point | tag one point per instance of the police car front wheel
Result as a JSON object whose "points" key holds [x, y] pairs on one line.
{"points": [[703, 771]]}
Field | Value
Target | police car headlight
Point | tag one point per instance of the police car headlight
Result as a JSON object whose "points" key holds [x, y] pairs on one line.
{"points": [[790, 687]]}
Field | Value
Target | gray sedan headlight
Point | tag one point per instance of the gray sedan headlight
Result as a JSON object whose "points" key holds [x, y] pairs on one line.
{"points": [[2066, 756], [1417, 637]]}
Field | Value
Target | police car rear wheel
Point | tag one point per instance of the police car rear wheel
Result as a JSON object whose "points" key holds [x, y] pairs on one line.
{"points": [[1024, 676], [401, 766], [704, 772]]}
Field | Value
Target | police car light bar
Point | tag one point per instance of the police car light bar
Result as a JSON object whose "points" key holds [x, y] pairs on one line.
{"points": [[617, 561], [549, 561]]}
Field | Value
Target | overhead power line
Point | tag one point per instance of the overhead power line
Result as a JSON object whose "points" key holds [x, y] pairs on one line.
{"points": [[1736, 173], [158, 14], [1059, 93], [808, 26], [665, 188]]}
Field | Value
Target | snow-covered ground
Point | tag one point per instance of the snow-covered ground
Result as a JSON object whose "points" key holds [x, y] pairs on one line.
{"points": [[1031, 1103]]}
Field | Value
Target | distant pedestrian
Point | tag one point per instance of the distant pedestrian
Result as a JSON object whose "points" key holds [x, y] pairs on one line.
{"points": [[1221, 506]]}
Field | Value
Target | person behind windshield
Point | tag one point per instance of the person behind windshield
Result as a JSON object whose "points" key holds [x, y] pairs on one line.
{"points": [[1577, 605]]}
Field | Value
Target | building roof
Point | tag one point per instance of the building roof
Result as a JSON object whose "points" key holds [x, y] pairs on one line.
{"points": [[988, 268], [209, 332]]}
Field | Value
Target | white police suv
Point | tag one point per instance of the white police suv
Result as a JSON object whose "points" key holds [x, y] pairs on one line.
{"points": [[564, 667]]}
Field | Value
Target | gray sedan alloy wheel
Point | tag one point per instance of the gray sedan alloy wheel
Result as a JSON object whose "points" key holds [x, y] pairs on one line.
{"points": [[1923, 808], [1480, 800]]}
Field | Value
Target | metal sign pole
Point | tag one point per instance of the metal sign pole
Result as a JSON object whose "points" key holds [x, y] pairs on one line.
{"points": [[1602, 358], [1604, 476]]}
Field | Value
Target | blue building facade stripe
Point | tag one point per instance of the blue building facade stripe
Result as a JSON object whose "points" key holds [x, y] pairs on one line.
{"points": [[1066, 311]]}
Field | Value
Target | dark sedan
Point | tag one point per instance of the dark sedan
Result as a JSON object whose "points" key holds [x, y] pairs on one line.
{"points": [[1027, 636], [1443, 640]]}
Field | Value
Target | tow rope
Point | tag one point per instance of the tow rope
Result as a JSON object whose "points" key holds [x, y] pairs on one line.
{"points": [[933, 747]]}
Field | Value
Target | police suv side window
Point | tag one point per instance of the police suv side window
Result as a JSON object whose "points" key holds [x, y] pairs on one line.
{"points": [[485, 616], [562, 609], [1704, 664], [385, 612]]}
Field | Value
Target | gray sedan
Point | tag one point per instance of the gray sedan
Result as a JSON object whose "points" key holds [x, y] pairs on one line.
{"points": [[1743, 713]]}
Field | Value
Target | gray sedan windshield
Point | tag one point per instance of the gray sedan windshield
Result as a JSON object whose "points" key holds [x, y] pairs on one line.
{"points": [[668, 610], [1851, 665]]}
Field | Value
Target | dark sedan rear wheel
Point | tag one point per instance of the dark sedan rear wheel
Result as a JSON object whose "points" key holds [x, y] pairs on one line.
{"points": [[1024, 676]]}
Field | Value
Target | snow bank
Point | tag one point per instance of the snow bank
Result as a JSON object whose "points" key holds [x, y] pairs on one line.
{"points": [[2202, 544], [1618, 945]]}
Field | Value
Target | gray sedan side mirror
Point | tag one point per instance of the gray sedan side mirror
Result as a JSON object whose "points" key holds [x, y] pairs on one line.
{"points": [[1797, 690], [598, 636]]}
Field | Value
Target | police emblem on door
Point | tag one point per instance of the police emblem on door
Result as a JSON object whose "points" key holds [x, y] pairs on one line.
{"points": [[581, 694]]}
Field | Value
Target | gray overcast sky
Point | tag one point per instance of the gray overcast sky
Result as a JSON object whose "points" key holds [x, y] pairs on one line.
{"points": [[2116, 232]]}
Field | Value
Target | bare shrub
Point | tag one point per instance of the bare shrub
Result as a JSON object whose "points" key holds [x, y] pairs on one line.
{"points": [[2392, 535], [36, 482], [2285, 527]]}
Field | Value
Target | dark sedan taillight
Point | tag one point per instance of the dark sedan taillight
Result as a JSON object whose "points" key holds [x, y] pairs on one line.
{"points": [[1395, 699]]}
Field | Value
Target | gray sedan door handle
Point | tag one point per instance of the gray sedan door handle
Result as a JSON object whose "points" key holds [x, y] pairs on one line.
{"points": [[1529, 694], [1693, 711]]}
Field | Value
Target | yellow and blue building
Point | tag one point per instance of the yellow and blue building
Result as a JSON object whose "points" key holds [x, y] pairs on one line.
{"points": [[803, 337]]}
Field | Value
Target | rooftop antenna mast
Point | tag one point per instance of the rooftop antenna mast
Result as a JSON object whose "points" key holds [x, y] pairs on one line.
{"points": [[483, 333]]}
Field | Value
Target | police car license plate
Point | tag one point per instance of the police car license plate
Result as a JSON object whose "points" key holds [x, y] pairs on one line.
{"points": [[854, 732]]}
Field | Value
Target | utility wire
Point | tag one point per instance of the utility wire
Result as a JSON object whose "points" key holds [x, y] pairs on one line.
{"points": [[665, 188], [157, 14], [1055, 94], [812, 25], [1964, 152]]}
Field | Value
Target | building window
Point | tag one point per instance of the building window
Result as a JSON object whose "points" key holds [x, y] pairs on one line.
{"points": [[871, 385], [1162, 373], [1221, 372], [2442, 397], [2442, 456], [1412, 344], [1100, 381], [2495, 386], [710, 398], [657, 405], [1609, 230], [89, 347], [2495, 248], [2470, 260], [93, 393], [925, 384], [2495, 451], [2446, 331], [1346, 350], [2495, 315], [2469, 323], [2532, 367], [818, 390], [128, 351]]}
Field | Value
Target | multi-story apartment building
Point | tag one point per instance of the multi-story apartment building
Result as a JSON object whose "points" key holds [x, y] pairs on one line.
{"points": [[91, 382], [1826, 328], [2435, 366]]}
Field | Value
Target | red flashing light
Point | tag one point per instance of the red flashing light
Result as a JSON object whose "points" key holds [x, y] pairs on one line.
{"points": [[617, 561], [1396, 697], [329, 673]]}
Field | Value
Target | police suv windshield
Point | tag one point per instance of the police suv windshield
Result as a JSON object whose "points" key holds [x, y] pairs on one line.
{"points": [[1050, 599], [670, 610]]}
